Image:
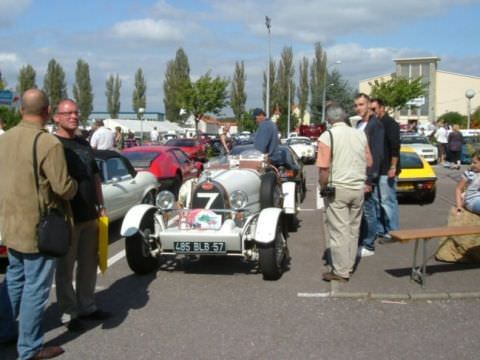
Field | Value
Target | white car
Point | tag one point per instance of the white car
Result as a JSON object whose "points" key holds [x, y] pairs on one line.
{"points": [[303, 148], [122, 186], [422, 146]]}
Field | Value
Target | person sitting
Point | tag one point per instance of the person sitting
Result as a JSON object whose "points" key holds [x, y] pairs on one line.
{"points": [[467, 192]]}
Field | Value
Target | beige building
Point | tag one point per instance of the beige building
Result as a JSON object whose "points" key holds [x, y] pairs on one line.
{"points": [[445, 92]]}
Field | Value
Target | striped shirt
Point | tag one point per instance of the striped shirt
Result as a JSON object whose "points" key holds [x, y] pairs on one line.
{"points": [[472, 192]]}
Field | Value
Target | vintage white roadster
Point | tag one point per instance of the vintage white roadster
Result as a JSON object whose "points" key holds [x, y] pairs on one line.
{"points": [[238, 207]]}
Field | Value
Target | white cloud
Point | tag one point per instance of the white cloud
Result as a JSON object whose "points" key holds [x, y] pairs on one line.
{"points": [[10, 9], [148, 29], [8, 58]]}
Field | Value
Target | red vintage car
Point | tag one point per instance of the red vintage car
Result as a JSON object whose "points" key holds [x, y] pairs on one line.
{"points": [[193, 147], [169, 164]]}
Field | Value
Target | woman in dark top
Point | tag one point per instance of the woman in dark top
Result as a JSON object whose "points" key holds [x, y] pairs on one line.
{"points": [[454, 146]]}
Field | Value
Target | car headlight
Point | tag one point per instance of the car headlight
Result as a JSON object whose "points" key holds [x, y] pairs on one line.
{"points": [[238, 199], [165, 200]]}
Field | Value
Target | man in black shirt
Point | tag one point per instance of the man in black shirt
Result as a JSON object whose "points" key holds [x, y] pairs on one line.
{"points": [[87, 206], [389, 170]]}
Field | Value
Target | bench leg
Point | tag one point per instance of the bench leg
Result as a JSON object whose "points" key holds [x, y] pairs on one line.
{"points": [[419, 271]]}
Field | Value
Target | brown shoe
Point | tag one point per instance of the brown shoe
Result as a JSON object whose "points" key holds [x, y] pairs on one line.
{"points": [[331, 276], [48, 352]]}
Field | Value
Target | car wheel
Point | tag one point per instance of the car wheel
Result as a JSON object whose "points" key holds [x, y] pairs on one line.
{"points": [[149, 198], [137, 248], [272, 256], [270, 192]]}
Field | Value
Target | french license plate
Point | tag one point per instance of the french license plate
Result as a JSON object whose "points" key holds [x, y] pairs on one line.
{"points": [[199, 247]]}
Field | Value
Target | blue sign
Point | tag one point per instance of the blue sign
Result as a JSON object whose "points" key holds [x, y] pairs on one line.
{"points": [[6, 97]]}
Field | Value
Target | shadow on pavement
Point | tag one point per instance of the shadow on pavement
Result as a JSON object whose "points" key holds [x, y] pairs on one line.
{"points": [[125, 294], [432, 269]]}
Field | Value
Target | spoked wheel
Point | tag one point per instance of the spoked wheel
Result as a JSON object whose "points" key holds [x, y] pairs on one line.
{"points": [[272, 257], [138, 246]]}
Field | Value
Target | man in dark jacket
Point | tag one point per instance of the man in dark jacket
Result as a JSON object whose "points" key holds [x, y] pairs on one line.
{"points": [[375, 136], [389, 170]]}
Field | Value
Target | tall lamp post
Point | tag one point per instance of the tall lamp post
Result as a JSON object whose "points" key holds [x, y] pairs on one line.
{"points": [[469, 94], [289, 110], [324, 96], [267, 100], [141, 111]]}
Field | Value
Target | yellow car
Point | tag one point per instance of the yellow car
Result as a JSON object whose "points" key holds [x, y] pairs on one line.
{"points": [[417, 180]]}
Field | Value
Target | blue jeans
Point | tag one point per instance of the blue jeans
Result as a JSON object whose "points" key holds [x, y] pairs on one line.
{"points": [[371, 210], [389, 212], [24, 294]]}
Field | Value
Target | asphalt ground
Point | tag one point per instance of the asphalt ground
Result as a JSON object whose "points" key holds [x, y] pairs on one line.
{"points": [[222, 309]]}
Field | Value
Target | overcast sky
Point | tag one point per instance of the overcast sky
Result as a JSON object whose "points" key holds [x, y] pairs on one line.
{"points": [[119, 36]]}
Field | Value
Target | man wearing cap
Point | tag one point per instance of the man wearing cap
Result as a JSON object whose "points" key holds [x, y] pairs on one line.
{"points": [[102, 138], [266, 137]]}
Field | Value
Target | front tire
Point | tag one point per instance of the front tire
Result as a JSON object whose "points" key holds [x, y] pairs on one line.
{"points": [[269, 191], [272, 256], [137, 249]]}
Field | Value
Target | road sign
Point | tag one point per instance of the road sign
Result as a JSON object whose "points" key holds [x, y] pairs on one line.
{"points": [[6, 97], [419, 101]]}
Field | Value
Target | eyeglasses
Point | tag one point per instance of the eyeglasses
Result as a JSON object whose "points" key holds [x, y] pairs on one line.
{"points": [[68, 113]]}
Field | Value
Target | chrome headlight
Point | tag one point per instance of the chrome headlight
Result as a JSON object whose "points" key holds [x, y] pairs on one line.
{"points": [[165, 200], [238, 199]]}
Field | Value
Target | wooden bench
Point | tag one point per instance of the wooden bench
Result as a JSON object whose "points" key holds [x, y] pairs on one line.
{"points": [[419, 270]]}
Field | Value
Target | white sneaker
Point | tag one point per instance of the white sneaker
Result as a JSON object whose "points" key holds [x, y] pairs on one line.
{"points": [[365, 252]]}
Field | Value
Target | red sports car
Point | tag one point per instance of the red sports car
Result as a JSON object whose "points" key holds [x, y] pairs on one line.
{"points": [[169, 164], [194, 148]]}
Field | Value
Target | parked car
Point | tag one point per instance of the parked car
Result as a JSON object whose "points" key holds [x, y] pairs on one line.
{"points": [[170, 165], [421, 145], [236, 208], [122, 186], [303, 147], [312, 131], [192, 147], [417, 179]]}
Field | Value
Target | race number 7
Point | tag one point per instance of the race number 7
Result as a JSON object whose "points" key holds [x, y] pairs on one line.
{"points": [[210, 196]]}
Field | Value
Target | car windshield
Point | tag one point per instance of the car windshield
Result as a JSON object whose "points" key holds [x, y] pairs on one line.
{"points": [[181, 142], [410, 160], [414, 140], [141, 159], [294, 140]]}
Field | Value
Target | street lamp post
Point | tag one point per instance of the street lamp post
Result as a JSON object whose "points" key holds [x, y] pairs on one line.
{"points": [[324, 95], [289, 110], [267, 100], [141, 111], [469, 94]]}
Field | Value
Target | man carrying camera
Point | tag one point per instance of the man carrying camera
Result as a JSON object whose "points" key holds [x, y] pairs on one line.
{"points": [[342, 159]]}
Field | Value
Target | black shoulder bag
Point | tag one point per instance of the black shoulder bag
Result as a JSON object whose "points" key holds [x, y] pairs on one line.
{"points": [[53, 229], [329, 190]]}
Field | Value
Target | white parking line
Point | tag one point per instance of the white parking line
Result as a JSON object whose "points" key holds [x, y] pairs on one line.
{"points": [[118, 256], [313, 295]]}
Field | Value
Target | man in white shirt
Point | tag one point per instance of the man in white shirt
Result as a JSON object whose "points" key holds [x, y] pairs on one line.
{"points": [[154, 135], [102, 138], [441, 135], [2, 126]]}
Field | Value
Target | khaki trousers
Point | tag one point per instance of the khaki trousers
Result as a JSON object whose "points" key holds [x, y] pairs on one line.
{"points": [[78, 300], [343, 215]]}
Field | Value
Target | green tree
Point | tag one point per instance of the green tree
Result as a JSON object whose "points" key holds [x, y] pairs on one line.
{"points": [[302, 90], [454, 117], [317, 74], [139, 98], [82, 90], [397, 91], [273, 71], [10, 115], [339, 91], [246, 122], [3, 83], [207, 95], [54, 83], [176, 85], [475, 120], [26, 79], [113, 85], [238, 96]]}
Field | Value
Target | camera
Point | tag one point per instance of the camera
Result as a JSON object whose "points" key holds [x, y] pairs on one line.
{"points": [[327, 191]]}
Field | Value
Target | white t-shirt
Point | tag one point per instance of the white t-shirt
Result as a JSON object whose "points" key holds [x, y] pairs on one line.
{"points": [[441, 135], [154, 135], [1, 131], [103, 139]]}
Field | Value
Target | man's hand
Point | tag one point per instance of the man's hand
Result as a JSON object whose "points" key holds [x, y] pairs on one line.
{"points": [[368, 188], [392, 172]]}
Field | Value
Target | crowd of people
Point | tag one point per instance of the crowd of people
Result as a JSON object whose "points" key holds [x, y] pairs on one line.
{"points": [[357, 173]]}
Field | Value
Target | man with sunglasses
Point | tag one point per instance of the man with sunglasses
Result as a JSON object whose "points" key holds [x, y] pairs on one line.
{"points": [[389, 170], [79, 302]]}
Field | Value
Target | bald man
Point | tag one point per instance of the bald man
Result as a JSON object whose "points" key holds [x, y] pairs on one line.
{"points": [[25, 290]]}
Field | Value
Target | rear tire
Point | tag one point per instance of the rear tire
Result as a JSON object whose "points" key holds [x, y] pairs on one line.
{"points": [[137, 251]]}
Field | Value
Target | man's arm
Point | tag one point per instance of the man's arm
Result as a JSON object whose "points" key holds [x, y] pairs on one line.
{"points": [[393, 136], [55, 169], [323, 164], [98, 188]]}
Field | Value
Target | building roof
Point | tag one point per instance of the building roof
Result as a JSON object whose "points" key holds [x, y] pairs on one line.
{"points": [[418, 59], [458, 74]]}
